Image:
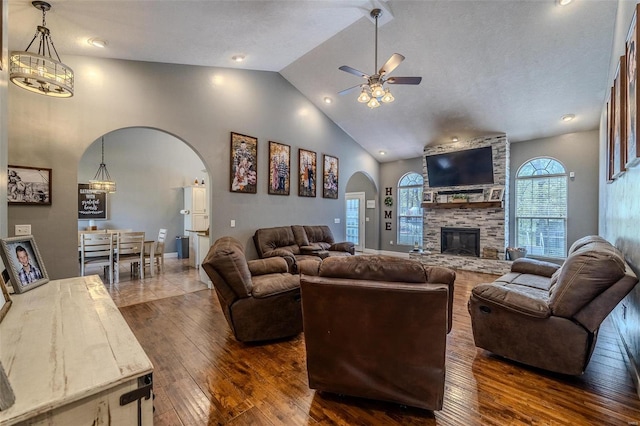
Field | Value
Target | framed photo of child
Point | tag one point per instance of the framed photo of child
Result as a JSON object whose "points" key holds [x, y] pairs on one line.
{"points": [[24, 264]]}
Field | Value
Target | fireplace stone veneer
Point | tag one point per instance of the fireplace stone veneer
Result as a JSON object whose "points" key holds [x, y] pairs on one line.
{"points": [[492, 222]]}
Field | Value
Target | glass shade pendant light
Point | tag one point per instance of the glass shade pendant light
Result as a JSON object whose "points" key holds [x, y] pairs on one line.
{"points": [[102, 182], [376, 90], [373, 103], [388, 97], [364, 97], [41, 73]]}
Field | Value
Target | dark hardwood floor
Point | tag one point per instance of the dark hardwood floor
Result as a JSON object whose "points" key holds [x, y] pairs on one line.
{"points": [[204, 377]]}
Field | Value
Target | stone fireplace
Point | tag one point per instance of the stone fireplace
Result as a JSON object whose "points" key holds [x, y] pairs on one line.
{"points": [[490, 221], [460, 241]]}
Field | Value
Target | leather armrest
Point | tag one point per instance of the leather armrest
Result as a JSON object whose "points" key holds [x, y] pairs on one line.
{"points": [[512, 299], [347, 246], [269, 265], [288, 256], [535, 267]]}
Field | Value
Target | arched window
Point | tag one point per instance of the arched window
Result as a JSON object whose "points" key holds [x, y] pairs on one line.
{"points": [[541, 207], [410, 209]]}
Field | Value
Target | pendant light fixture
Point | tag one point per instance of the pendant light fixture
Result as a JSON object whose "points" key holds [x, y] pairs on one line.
{"points": [[102, 182], [41, 73]]}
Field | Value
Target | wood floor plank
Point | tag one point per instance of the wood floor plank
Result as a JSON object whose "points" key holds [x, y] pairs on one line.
{"points": [[203, 376]]}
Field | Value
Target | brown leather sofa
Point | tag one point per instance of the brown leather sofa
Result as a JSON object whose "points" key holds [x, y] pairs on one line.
{"points": [[547, 316], [298, 242], [376, 327], [259, 298]]}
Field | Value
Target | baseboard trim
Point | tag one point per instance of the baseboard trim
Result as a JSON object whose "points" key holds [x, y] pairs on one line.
{"points": [[628, 358]]}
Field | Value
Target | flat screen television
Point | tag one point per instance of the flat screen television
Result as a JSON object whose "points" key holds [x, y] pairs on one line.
{"points": [[460, 168]]}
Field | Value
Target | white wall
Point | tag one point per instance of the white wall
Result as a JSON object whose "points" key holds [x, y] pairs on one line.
{"points": [[199, 105]]}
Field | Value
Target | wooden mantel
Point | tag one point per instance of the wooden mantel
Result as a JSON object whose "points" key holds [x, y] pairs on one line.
{"points": [[465, 205]]}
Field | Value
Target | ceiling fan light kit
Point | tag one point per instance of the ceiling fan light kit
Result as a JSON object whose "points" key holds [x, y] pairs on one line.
{"points": [[373, 92]]}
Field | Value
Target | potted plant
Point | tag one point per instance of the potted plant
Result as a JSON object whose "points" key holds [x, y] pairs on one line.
{"points": [[460, 198]]}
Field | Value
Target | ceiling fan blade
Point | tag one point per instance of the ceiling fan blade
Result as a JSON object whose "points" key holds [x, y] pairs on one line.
{"points": [[353, 71], [391, 64], [404, 80], [351, 89]]}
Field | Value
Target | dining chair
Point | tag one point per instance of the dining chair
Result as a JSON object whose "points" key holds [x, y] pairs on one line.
{"points": [[97, 249], [155, 259], [129, 248]]}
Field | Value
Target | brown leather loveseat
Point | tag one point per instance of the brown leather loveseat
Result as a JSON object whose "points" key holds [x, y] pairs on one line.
{"points": [[298, 242], [547, 316], [376, 327]]}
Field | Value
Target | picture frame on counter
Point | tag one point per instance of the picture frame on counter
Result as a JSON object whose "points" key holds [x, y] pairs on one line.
{"points": [[24, 264]]}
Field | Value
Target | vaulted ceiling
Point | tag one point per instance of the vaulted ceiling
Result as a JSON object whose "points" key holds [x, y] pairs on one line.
{"points": [[488, 67]]}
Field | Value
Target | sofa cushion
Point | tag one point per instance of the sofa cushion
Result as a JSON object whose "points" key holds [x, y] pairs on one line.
{"points": [[373, 268], [526, 280], [270, 239], [319, 234], [299, 235], [525, 265], [592, 268], [526, 300]]}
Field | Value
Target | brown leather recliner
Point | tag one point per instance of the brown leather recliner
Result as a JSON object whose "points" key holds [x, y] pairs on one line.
{"points": [[376, 327], [259, 298], [547, 316]]}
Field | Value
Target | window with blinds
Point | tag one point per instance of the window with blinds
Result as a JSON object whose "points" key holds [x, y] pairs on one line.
{"points": [[410, 188], [541, 208]]}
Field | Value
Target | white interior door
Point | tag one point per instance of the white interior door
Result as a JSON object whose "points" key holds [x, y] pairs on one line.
{"points": [[355, 219]]}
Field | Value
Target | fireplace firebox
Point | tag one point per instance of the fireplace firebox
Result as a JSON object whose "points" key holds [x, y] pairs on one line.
{"points": [[460, 241]]}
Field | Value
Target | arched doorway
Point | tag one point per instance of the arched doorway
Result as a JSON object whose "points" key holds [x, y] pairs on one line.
{"points": [[362, 188], [151, 168]]}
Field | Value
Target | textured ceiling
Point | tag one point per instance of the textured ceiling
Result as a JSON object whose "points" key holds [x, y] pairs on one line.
{"points": [[488, 67]]}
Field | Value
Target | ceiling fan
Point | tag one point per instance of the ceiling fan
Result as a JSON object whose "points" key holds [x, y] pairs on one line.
{"points": [[373, 91]]}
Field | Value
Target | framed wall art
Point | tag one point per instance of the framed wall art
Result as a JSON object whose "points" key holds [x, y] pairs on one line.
{"points": [[619, 119], [330, 176], [610, 170], [307, 172], [244, 163], [23, 261], [632, 148], [29, 185], [279, 168]]}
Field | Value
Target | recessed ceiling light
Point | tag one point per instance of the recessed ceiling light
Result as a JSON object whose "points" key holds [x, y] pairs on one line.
{"points": [[563, 2], [382, 153], [97, 42], [568, 117], [238, 58], [454, 139], [327, 100]]}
